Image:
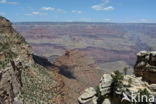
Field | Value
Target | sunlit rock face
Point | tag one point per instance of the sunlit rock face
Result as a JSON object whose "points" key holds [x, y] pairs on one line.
{"points": [[146, 66]]}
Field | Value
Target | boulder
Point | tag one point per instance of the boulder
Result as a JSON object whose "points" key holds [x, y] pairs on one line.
{"points": [[152, 87], [87, 95], [105, 84]]}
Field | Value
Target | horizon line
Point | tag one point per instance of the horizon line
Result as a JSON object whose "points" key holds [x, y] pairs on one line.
{"points": [[83, 22]]}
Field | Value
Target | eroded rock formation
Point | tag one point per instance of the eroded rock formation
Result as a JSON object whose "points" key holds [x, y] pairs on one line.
{"points": [[144, 81], [146, 66], [78, 73], [106, 95]]}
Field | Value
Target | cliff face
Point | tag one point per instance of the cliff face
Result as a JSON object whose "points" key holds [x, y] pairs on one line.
{"points": [[29, 79], [22, 80], [10, 74], [146, 66]]}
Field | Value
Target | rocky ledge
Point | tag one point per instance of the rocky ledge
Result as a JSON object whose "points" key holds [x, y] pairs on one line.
{"points": [[146, 66], [106, 94]]}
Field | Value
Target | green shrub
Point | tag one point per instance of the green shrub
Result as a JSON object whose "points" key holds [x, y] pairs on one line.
{"points": [[117, 80]]}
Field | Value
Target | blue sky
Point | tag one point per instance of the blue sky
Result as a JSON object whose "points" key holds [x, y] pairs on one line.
{"points": [[79, 10]]}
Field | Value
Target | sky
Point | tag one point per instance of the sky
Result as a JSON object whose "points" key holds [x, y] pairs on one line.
{"points": [[120, 11]]}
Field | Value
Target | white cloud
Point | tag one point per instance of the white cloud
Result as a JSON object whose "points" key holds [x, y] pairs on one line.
{"points": [[60, 11], [48, 8], [41, 13], [77, 11], [3, 1], [107, 20], [108, 8], [35, 13], [53, 9], [6, 2], [102, 6]]}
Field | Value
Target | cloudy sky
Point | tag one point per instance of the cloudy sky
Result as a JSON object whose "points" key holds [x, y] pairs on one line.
{"points": [[79, 10]]}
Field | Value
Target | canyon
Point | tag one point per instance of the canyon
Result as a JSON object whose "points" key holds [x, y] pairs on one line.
{"points": [[112, 45], [53, 63], [26, 78]]}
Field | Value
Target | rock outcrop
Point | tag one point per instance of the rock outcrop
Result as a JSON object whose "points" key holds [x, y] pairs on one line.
{"points": [[4, 22], [105, 94], [74, 65], [78, 73], [112, 90], [87, 95], [22, 80], [146, 66], [105, 84]]}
